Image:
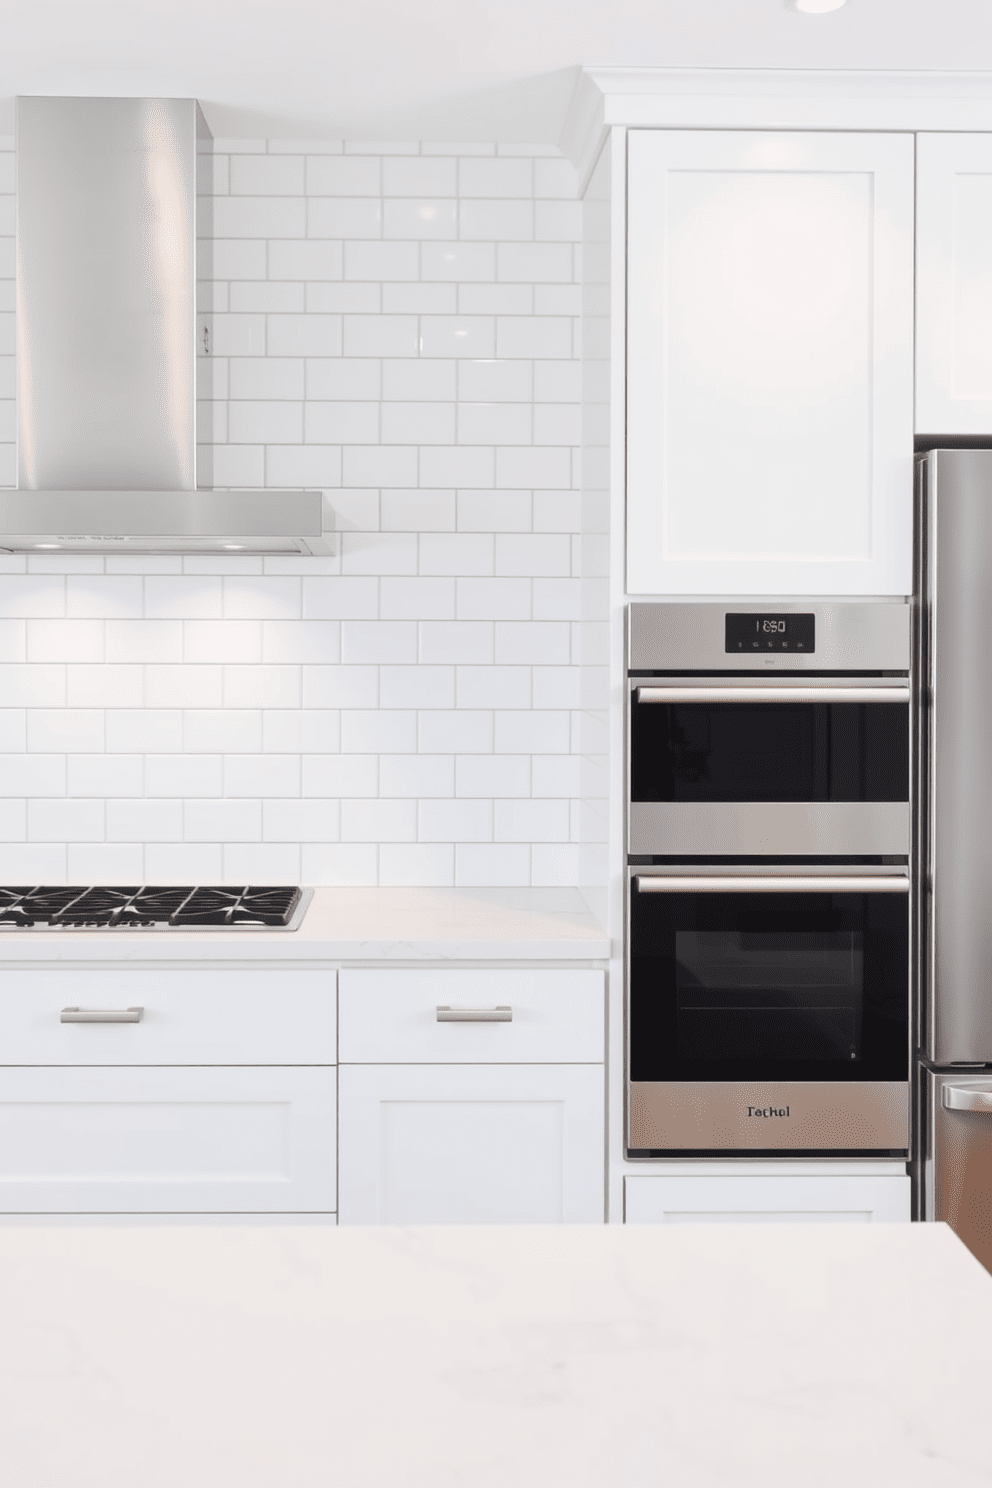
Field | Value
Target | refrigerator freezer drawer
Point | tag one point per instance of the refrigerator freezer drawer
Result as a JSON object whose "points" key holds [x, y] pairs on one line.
{"points": [[958, 1170]]}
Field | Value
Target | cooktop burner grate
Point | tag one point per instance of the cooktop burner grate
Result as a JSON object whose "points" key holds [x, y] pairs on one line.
{"points": [[147, 907]]}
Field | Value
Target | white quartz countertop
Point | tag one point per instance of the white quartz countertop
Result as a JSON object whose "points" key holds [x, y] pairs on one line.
{"points": [[359, 924], [273, 1357]]}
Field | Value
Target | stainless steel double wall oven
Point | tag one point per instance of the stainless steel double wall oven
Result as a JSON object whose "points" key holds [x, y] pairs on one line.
{"points": [[768, 837]]}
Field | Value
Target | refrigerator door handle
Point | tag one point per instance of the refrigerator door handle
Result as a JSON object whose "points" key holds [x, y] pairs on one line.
{"points": [[967, 1098]]}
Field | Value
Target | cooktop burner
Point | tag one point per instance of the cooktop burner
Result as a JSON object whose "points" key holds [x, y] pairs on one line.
{"points": [[152, 908]]}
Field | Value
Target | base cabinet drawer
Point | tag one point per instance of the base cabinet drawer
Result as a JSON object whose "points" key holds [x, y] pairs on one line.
{"points": [[184, 1016], [467, 1016], [443, 1144], [196, 1140], [762, 1199]]}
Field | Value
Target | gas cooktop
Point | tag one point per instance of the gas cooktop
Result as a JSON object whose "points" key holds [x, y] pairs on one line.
{"points": [[150, 908]]}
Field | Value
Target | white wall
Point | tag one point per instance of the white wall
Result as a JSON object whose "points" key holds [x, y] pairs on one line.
{"points": [[398, 325]]}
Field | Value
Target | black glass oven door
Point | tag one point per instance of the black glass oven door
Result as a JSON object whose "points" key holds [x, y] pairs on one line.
{"points": [[768, 751], [769, 986]]}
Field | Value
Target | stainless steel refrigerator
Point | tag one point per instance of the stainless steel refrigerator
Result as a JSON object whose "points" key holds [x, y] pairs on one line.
{"points": [[954, 842]]}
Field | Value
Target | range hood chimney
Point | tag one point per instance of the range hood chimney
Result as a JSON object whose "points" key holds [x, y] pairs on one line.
{"points": [[106, 342]]}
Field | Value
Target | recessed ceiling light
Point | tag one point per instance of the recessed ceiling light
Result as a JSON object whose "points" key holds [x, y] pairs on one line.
{"points": [[818, 7]]}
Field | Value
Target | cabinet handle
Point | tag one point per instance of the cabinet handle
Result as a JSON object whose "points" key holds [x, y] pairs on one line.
{"points": [[475, 1015], [101, 1015]]}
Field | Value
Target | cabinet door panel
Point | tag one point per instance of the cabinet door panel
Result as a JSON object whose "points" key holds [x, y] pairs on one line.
{"points": [[954, 284], [766, 1200], [439, 1144], [770, 363], [167, 1140]]}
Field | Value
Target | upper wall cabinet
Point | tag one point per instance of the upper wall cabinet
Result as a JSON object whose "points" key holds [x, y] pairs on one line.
{"points": [[954, 284], [770, 363]]}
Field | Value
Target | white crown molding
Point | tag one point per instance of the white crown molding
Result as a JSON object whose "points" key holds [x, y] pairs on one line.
{"points": [[755, 98]]}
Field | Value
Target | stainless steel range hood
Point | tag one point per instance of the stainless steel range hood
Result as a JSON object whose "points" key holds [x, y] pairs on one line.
{"points": [[107, 344]]}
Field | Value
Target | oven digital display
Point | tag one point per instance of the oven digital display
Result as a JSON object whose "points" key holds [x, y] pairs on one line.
{"points": [[771, 633]]}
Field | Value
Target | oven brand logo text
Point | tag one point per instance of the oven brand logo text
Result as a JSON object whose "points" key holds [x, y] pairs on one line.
{"points": [[768, 1110]]}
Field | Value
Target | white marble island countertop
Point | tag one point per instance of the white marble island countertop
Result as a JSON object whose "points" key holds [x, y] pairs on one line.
{"points": [[780, 1356], [359, 924]]}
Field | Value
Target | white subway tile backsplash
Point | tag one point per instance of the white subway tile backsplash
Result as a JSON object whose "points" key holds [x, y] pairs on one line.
{"points": [[490, 865], [107, 686], [302, 261], [465, 731], [493, 599], [183, 863], [378, 820], [344, 217], [420, 219], [340, 687], [340, 775], [331, 175], [65, 730], [405, 864], [461, 641], [219, 730], [267, 175], [416, 687], [184, 686], [183, 775], [262, 686], [458, 262], [364, 731], [296, 730], [33, 775], [492, 775], [301, 821], [397, 326], [262, 775], [379, 260], [224, 821], [53, 640], [260, 217], [413, 423], [144, 821], [417, 775]]}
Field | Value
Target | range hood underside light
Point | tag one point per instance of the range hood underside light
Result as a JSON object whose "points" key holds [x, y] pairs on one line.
{"points": [[163, 522]]}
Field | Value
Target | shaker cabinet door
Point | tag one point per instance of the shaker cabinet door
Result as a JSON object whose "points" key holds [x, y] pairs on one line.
{"points": [[953, 284], [471, 1144], [769, 363]]}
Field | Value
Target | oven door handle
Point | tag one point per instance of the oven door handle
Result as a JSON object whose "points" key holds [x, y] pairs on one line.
{"points": [[652, 883], [809, 693]]}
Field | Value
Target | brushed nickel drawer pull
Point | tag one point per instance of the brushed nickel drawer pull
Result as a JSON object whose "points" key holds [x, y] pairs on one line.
{"points": [[475, 1015], [101, 1015]]}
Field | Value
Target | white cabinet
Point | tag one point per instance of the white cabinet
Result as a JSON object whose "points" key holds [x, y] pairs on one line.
{"points": [[471, 1096], [954, 284], [766, 1198], [195, 1140], [769, 363], [220, 1098], [471, 1144]]}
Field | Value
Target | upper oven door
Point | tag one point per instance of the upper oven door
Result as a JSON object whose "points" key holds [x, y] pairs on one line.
{"points": [[790, 767]]}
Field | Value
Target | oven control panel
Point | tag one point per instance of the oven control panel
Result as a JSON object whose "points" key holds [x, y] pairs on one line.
{"points": [[753, 632]]}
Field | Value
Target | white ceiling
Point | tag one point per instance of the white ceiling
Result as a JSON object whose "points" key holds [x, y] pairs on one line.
{"points": [[441, 69]]}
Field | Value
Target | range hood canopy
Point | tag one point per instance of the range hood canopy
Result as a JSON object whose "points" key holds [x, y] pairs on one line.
{"points": [[108, 248]]}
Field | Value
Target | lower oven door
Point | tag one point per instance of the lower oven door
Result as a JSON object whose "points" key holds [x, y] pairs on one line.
{"points": [[768, 1012]]}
